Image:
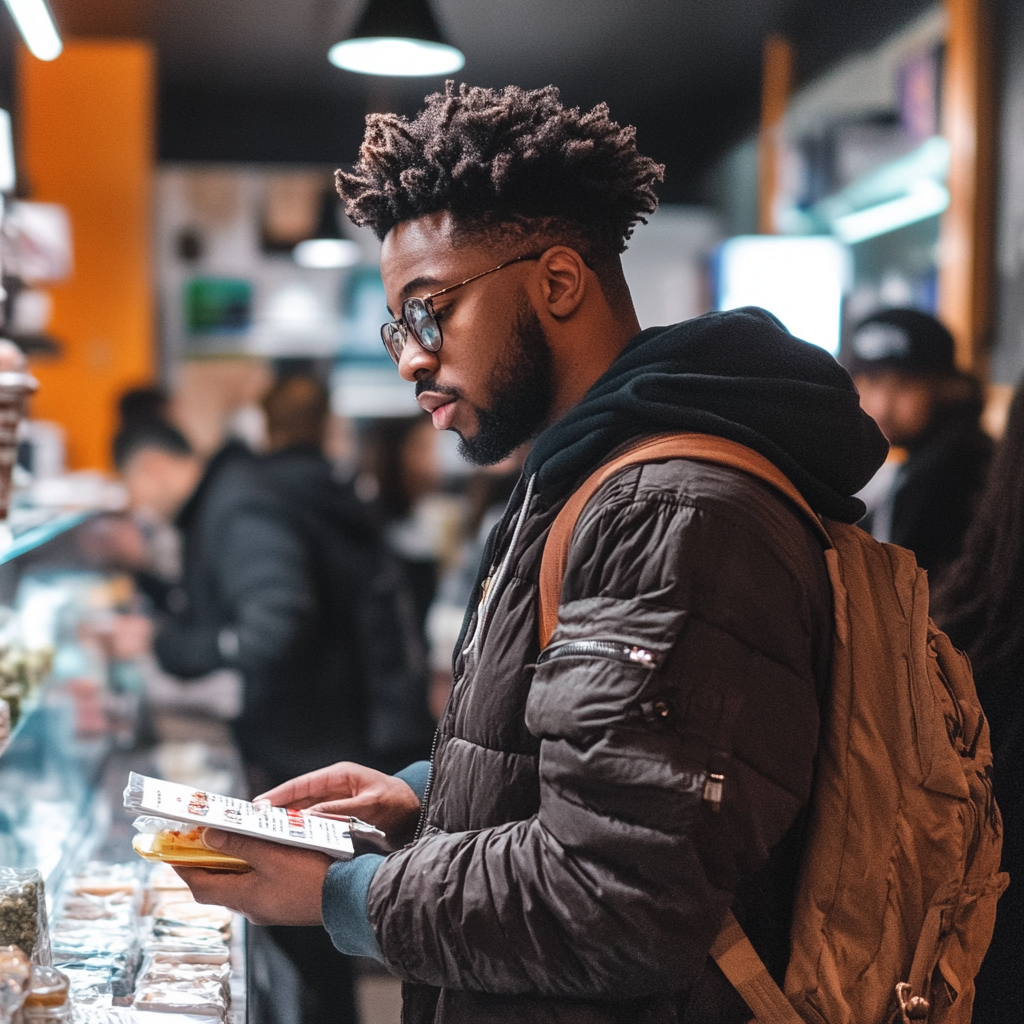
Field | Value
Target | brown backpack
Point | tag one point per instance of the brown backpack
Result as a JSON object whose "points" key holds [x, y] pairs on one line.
{"points": [[900, 876]]}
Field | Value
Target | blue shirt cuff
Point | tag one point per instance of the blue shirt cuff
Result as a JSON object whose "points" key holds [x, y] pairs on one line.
{"points": [[416, 777], [343, 903]]}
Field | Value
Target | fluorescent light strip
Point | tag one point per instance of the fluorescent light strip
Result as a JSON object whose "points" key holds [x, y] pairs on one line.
{"points": [[35, 23], [926, 199]]}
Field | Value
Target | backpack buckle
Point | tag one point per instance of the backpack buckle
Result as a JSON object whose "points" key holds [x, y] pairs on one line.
{"points": [[912, 1007]]}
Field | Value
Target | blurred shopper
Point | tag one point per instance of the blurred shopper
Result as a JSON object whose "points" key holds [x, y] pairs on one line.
{"points": [[981, 606], [400, 466], [252, 601], [369, 640], [569, 863], [903, 363]]}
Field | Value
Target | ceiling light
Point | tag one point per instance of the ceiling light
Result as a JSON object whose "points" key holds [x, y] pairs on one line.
{"points": [[396, 37], [35, 23], [326, 253], [925, 199]]}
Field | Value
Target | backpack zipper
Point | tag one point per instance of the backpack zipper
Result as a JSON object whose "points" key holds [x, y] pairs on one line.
{"points": [[611, 649]]}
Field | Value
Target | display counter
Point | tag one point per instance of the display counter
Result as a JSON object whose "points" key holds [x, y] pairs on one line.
{"points": [[126, 933]]}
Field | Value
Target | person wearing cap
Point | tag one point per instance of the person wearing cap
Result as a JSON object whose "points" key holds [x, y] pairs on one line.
{"points": [[903, 363]]}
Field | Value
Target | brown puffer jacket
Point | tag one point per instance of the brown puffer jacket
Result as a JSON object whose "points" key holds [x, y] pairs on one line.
{"points": [[569, 869]]}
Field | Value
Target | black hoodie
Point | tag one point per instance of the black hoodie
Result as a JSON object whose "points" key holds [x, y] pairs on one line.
{"points": [[739, 375]]}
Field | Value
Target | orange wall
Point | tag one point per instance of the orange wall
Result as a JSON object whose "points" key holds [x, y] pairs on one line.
{"points": [[86, 131]]}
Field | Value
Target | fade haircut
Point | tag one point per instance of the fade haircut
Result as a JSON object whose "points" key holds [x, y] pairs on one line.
{"points": [[508, 165]]}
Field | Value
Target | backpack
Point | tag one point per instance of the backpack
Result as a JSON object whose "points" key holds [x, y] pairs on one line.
{"points": [[899, 880]]}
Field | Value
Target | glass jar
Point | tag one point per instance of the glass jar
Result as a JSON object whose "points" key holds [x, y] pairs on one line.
{"points": [[47, 998]]}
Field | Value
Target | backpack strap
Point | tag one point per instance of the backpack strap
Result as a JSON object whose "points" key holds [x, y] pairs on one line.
{"points": [[699, 447], [732, 950], [740, 963]]}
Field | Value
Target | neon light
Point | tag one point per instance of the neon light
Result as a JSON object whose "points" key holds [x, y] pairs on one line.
{"points": [[926, 198]]}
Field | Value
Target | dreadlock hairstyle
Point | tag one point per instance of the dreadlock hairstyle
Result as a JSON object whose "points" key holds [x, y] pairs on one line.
{"points": [[981, 601], [506, 164]]}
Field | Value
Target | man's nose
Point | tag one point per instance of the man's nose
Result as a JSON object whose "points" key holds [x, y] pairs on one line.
{"points": [[416, 361]]}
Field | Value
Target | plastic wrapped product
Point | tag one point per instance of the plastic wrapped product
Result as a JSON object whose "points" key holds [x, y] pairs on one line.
{"points": [[200, 915], [196, 997], [100, 879], [23, 913], [180, 846]]}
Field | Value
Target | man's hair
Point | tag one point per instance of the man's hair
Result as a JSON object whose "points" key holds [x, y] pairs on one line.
{"points": [[152, 436], [296, 408], [509, 163]]}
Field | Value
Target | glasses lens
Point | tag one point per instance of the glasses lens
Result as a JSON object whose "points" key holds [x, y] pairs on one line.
{"points": [[422, 324], [391, 335]]}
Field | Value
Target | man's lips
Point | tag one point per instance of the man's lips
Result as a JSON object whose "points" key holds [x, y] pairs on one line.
{"points": [[431, 400], [440, 407]]}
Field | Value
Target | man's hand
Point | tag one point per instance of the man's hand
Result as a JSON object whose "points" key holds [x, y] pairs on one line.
{"points": [[284, 886], [347, 788]]}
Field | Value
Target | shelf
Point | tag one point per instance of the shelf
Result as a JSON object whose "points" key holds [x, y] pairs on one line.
{"points": [[31, 528]]}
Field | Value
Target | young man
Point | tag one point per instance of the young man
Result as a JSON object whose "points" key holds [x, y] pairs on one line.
{"points": [[566, 866], [903, 363]]}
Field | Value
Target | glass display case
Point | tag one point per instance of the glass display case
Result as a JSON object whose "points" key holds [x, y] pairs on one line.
{"points": [[75, 733]]}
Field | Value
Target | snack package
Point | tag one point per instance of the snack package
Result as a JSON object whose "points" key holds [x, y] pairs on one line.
{"points": [[165, 841], [279, 824], [23, 913]]}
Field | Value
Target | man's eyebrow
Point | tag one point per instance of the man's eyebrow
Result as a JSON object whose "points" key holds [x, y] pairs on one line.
{"points": [[416, 284]]}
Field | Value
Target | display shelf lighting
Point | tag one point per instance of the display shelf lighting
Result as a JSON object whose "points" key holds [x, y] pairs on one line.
{"points": [[326, 249], [925, 198], [37, 28], [396, 38]]}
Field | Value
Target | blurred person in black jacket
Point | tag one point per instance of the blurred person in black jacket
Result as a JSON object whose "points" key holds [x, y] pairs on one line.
{"points": [[261, 593], [981, 606], [903, 363]]}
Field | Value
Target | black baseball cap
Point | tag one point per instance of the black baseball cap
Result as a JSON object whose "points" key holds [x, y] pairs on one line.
{"points": [[908, 340]]}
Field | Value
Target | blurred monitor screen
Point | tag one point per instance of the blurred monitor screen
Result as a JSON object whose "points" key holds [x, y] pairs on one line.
{"points": [[800, 280]]}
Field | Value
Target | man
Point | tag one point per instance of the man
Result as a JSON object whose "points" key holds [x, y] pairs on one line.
{"points": [[903, 363], [565, 866]]}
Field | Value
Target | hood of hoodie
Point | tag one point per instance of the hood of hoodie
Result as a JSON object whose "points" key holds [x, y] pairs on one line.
{"points": [[739, 375]]}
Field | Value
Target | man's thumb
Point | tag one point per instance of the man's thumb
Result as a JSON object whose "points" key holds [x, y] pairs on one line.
{"points": [[213, 839]]}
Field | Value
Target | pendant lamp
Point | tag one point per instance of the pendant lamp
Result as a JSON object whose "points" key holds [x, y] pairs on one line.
{"points": [[326, 249], [396, 37]]}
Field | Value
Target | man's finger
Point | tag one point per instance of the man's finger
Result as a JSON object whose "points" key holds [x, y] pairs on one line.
{"points": [[244, 847]]}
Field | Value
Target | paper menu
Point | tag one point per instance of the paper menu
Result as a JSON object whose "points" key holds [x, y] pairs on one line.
{"points": [[278, 824]]}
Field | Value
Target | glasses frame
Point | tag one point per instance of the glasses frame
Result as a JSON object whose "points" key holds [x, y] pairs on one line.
{"points": [[419, 310]]}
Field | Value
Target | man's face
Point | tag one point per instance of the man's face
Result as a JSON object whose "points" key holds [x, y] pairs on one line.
{"points": [[491, 382], [159, 483], [899, 403]]}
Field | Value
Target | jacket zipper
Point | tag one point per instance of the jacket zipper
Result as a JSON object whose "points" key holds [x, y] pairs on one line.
{"points": [[426, 789], [611, 649]]}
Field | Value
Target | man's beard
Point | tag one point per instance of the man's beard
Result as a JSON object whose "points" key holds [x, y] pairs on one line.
{"points": [[520, 389]]}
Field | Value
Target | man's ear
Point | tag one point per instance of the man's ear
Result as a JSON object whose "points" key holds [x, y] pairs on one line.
{"points": [[563, 281]]}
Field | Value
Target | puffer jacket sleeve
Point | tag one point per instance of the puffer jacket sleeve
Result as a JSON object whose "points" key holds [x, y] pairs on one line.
{"points": [[616, 888]]}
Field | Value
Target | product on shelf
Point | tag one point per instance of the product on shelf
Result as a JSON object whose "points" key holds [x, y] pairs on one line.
{"points": [[23, 913], [48, 997], [15, 975]]}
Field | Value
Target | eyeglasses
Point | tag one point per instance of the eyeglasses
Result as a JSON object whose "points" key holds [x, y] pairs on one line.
{"points": [[419, 319]]}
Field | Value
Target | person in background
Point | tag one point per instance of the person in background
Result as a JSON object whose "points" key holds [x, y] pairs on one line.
{"points": [[400, 472], [981, 606], [249, 600], [903, 363], [141, 406]]}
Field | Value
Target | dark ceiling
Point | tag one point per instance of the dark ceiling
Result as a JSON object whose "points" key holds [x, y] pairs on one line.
{"points": [[248, 80]]}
